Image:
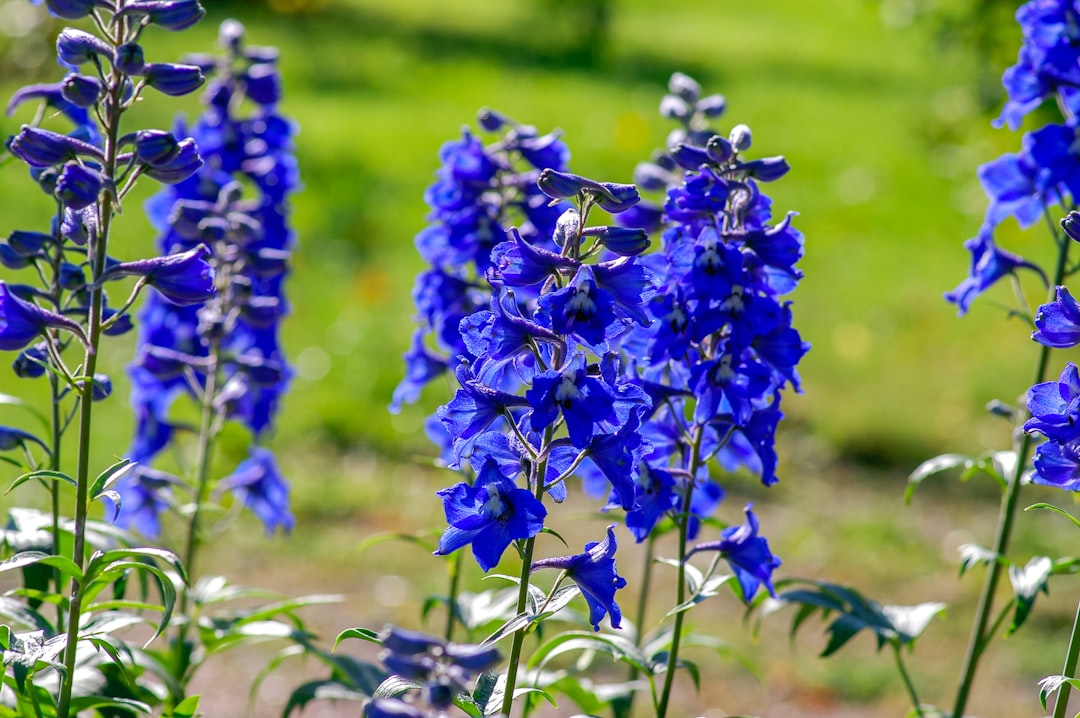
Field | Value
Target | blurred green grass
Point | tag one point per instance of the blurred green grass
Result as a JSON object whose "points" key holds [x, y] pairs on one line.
{"points": [[884, 133]]}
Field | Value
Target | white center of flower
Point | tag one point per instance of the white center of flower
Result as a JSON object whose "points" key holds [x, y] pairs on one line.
{"points": [[494, 506], [676, 319], [567, 390], [581, 305], [734, 302], [724, 372]]}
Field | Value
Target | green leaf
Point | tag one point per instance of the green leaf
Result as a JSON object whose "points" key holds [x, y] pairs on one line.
{"points": [[936, 465], [187, 708], [619, 648], [1051, 684], [110, 476], [364, 634], [44, 475], [1056, 510], [319, 690], [395, 686], [108, 573], [101, 558], [1026, 583], [556, 534], [29, 558], [480, 609], [377, 539], [10, 400], [512, 626], [705, 591], [83, 703], [973, 554]]}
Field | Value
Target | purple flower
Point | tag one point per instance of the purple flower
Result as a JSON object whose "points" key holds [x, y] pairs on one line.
{"points": [[42, 148], [1057, 324], [489, 515], [21, 322], [595, 574], [583, 401], [170, 14], [1055, 406], [748, 555], [184, 279], [172, 79], [988, 265], [1058, 465], [258, 483], [74, 47], [78, 186]]}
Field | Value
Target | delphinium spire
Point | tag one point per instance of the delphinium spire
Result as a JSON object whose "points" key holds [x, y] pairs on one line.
{"points": [[89, 170], [225, 355], [1028, 186]]}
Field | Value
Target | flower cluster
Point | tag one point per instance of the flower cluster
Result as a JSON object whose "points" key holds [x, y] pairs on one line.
{"points": [[1046, 171], [439, 669], [480, 189], [89, 173], [226, 353]]}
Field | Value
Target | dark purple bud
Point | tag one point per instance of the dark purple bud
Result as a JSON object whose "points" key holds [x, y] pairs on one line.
{"points": [[155, 147], [258, 55], [740, 138], [170, 14], [1071, 225], [185, 278], [42, 148], [262, 311], [81, 90], [70, 9], [685, 87], [12, 259], [172, 79], [130, 59], [71, 277], [472, 659], [689, 157], [624, 241], [560, 185], [617, 197], [78, 186], [392, 708], [102, 387], [186, 163], [491, 120], [12, 438], [408, 643], [719, 149], [766, 169], [165, 363], [74, 47], [30, 364], [439, 694], [49, 92], [675, 108], [28, 244], [262, 84], [712, 106]]}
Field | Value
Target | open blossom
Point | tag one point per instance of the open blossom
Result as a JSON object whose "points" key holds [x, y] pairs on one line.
{"points": [[595, 574]]}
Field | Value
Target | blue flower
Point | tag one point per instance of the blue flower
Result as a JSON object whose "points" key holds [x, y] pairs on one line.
{"points": [[1058, 465], [988, 265], [748, 555], [489, 515], [21, 321], [655, 497], [583, 401], [258, 483], [595, 574], [1055, 406], [1057, 324], [184, 278]]}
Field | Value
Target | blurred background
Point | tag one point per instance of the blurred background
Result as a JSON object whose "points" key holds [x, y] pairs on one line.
{"points": [[883, 109]]}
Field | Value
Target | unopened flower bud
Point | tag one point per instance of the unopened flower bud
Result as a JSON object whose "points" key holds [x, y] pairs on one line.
{"points": [[623, 241], [740, 138], [186, 163], [685, 87], [78, 186], [172, 79], [74, 47], [689, 157], [1071, 225], [712, 106], [567, 227], [81, 90], [766, 169], [130, 59], [719, 149], [491, 120], [30, 364], [675, 108], [70, 9], [156, 147], [262, 84]]}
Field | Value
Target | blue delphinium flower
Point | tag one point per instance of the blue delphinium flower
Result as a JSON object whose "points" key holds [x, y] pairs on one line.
{"points": [[595, 574], [259, 485], [748, 555], [489, 515]]}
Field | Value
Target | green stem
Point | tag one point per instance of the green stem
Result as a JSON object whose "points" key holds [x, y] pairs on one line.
{"points": [[680, 588], [451, 598], [98, 252], [915, 702], [1010, 500], [1061, 703], [523, 587], [639, 616]]}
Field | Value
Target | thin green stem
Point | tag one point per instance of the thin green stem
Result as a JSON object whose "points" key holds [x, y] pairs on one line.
{"points": [[639, 615], [452, 594], [915, 702], [526, 572], [1061, 703], [97, 252], [1010, 500], [680, 588]]}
